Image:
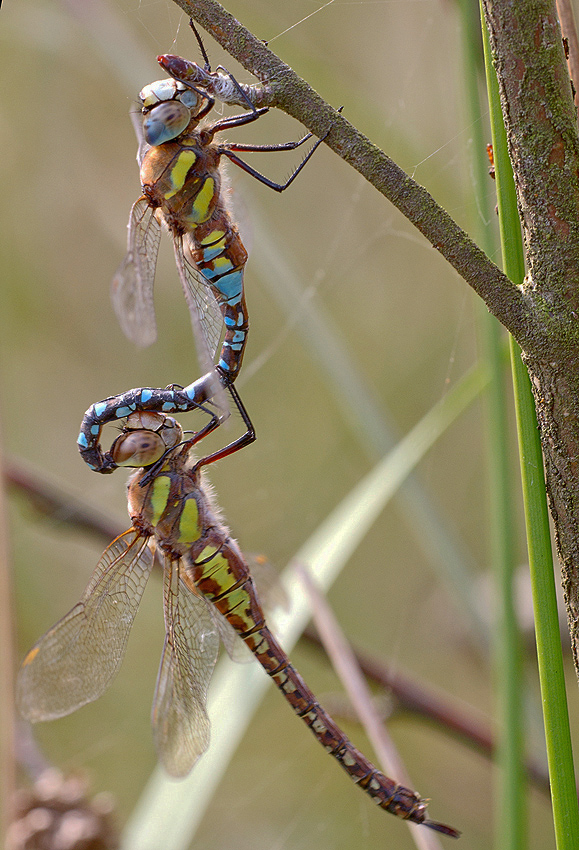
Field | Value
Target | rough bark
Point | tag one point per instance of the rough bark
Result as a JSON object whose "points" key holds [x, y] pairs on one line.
{"points": [[537, 103]]}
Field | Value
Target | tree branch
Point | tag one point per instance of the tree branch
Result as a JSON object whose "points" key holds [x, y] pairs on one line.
{"points": [[536, 98], [540, 120], [542, 313], [293, 95]]}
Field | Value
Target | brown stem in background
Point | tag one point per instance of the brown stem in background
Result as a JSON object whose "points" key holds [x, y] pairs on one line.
{"points": [[7, 721], [58, 505], [347, 668]]}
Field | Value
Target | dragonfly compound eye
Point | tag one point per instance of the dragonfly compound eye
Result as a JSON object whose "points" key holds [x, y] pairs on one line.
{"points": [[138, 448], [165, 122]]}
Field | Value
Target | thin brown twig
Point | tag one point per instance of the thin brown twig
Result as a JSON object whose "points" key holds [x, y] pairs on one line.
{"points": [[7, 720], [57, 504]]}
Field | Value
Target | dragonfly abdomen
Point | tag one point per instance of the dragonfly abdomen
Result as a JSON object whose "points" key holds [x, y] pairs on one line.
{"points": [[220, 255], [386, 793], [184, 182], [224, 580]]}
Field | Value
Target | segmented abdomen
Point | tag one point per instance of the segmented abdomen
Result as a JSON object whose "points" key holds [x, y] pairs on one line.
{"points": [[220, 255], [183, 180], [221, 574]]}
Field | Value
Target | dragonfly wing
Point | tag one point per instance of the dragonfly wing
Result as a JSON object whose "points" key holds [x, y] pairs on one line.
{"points": [[204, 310], [180, 722], [236, 649], [76, 660], [132, 287], [144, 146]]}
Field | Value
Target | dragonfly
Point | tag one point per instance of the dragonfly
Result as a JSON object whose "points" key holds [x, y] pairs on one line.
{"points": [[181, 180], [209, 594]]}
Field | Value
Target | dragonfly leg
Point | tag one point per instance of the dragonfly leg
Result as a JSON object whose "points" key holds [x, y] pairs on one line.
{"points": [[211, 79], [189, 73], [283, 146], [200, 44], [245, 440], [277, 187], [244, 97], [228, 151], [232, 121]]}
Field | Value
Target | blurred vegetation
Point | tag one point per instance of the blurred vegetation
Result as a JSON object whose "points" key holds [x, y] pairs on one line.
{"points": [[70, 74]]}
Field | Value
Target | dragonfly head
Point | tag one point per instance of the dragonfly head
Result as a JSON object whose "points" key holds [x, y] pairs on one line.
{"points": [[168, 107], [145, 439]]}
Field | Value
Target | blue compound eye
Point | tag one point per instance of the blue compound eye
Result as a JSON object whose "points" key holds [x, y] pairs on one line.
{"points": [[165, 122], [189, 98]]}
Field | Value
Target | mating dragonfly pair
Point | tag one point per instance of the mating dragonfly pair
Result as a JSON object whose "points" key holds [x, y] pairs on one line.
{"points": [[209, 593], [181, 190]]}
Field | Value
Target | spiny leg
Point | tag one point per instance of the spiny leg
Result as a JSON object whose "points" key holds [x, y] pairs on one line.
{"points": [[245, 440], [227, 150]]}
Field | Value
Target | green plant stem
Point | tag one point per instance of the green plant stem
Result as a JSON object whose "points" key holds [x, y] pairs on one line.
{"points": [[550, 659], [510, 786]]}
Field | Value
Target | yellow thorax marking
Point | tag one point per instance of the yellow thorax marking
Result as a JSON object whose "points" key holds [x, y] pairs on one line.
{"points": [[159, 496], [189, 530], [200, 208], [180, 170]]}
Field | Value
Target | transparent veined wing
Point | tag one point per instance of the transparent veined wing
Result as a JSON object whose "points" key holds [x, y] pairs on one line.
{"points": [[236, 649], [181, 726], [206, 317], [77, 659], [144, 146], [132, 287]]}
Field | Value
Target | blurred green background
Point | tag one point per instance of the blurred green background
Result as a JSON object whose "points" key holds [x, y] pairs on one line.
{"points": [[70, 73]]}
